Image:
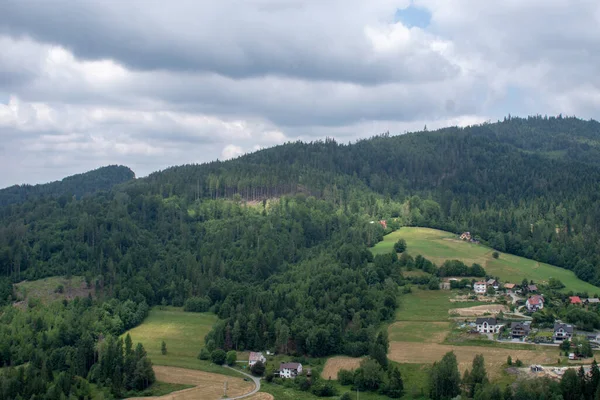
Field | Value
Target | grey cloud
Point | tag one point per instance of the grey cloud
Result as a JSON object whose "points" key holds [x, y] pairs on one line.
{"points": [[236, 39]]}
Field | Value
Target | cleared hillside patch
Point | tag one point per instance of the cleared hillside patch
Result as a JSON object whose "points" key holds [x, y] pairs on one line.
{"points": [[183, 332], [439, 246], [51, 289], [334, 364]]}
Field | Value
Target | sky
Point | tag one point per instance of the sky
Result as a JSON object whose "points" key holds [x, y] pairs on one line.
{"points": [[151, 84]]}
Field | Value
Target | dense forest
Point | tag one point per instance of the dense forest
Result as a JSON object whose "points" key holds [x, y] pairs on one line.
{"points": [[276, 242], [77, 185]]}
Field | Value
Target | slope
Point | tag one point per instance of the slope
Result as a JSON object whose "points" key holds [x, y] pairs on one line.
{"points": [[439, 246], [79, 185]]}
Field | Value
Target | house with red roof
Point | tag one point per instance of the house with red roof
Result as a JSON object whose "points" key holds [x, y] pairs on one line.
{"points": [[575, 300], [534, 303]]}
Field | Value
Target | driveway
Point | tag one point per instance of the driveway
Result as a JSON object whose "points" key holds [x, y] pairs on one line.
{"points": [[254, 379]]}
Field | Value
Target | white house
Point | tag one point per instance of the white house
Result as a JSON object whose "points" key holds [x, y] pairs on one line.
{"points": [[255, 357], [480, 287], [535, 303], [562, 331], [488, 325], [290, 370]]}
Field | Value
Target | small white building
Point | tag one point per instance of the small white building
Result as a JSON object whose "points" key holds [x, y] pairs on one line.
{"points": [[255, 357], [290, 370], [488, 325], [480, 287]]}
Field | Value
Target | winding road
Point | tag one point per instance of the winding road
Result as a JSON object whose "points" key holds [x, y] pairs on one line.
{"points": [[254, 379]]}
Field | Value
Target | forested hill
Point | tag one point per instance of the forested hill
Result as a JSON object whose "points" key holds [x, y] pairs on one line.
{"points": [[79, 185], [276, 242]]}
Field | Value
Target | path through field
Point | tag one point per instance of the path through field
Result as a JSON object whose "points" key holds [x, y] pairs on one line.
{"points": [[209, 386]]}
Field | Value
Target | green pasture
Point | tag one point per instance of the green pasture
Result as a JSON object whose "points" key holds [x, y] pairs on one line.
{"points": [[439, 246], [428, 305]]}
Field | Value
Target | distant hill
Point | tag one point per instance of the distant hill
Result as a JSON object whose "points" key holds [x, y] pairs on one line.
{"points": [[79, 185]]}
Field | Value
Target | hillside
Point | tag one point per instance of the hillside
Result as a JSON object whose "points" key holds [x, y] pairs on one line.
{"points": [[78, 185], [276, 243], [438, 246]]}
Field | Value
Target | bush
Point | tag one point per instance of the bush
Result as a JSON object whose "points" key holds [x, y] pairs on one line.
{"points": [[197, 304], [400, 246], [218, 356], [495, 254], [509, 361], [324, 389], [204, 354], [231, 357], [258, 369], [519, 363], [346, 396], [345, 377], [163, 348], [60, 289]]}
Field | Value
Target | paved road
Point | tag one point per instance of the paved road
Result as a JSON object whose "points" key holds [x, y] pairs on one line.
{"points": [[254, 379]]}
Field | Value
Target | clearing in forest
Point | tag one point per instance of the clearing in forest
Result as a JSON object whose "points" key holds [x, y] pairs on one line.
{"points": [[208, 386], [183, 332], [50, 289], [439, 246]]}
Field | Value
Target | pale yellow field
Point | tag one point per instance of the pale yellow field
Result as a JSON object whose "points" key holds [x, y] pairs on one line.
{"points": [[477, 311], [334, 364], [209, 386]]}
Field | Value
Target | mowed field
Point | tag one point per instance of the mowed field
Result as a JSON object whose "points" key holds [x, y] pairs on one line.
{"points": [[183, 332], [46, 291], [439, 246], [422, 325], [208, 386]]}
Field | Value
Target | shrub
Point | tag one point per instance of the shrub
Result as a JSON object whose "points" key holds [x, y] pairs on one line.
{"points": [[346, 396], [324, 389], [495, 254], [345, 377], [197, 304], [204, 354], [519, 363], [231, 357], [218, 356], [258, 369], [509, 360]]}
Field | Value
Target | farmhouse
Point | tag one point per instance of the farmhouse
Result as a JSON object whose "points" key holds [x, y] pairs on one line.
{"points": [[535, 303], [488, 325], [562, 331], [480, 287], [493, 283], [256, 357], [509, 287], [383, 223], [532, 288], [519, 330], [575, 300], [591, 300], [290, 370], [465, 236]]}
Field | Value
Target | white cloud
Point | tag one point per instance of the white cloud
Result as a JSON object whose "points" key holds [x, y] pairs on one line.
{"points": [[231, 151]]}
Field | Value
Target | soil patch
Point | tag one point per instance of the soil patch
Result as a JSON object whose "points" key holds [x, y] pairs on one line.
{"points": [[334, 364], [478, 310]]}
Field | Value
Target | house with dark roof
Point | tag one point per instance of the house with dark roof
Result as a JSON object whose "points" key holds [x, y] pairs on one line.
{"points": [[519, 330], [488, 325], [493, 283], [562, 331], [534, 303], [290, 370], [532, 288]]}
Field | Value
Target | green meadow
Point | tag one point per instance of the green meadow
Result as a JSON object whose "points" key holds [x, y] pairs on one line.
{"points": [[439, 246], [183, 332]]}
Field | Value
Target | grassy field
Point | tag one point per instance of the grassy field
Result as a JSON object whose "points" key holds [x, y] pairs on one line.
{"points": [[159, 389], [439, 246], [46, 290], [183, 332], [429, 305]]}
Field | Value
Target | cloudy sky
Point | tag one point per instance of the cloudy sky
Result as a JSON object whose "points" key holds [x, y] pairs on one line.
{"points": [[150, 84]]}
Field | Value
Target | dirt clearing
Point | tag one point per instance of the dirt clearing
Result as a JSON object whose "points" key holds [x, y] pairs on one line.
{"points": [[495, 357], [209, 385], [334, 364], [478, 310]]}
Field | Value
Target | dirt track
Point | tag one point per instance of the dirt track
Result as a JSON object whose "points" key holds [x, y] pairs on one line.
{"points": [[478, 310], [495, 358], [209, 386]]}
